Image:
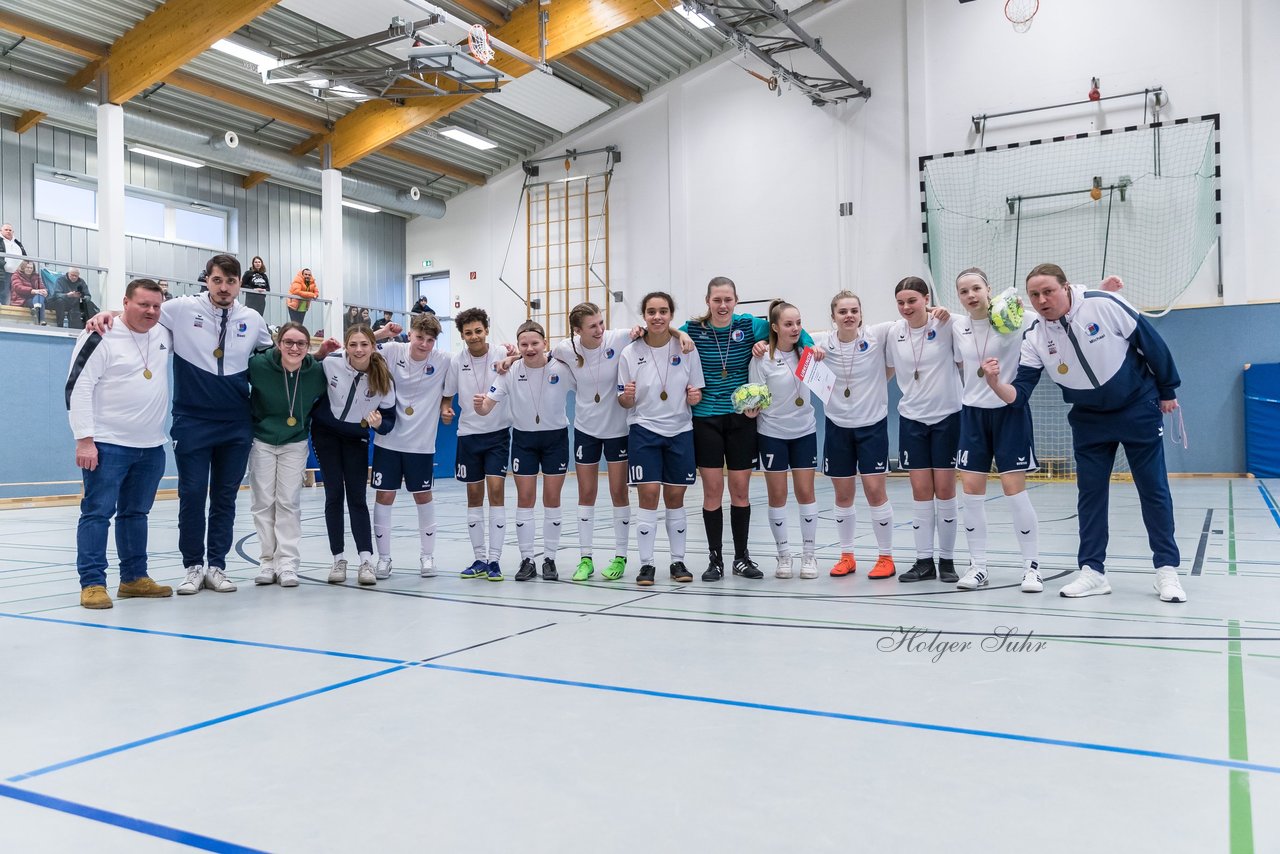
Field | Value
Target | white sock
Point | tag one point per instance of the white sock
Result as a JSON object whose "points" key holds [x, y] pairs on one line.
{"points": [[948, 511], [1026, 525], [809, 528], [475, 528], [882, 524], [524, 531], [366, 557], [497, 532], [646, 533], [427, 528], [586, 525], [846, 525], [778, 525], [382, 528], [922, 523], [621, 530], [677, 526], [339, 556], [551, 517], [975, 528]]}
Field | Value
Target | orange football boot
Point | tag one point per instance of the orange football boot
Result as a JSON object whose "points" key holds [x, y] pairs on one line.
{"points": [[883, 569], [846, 566]]}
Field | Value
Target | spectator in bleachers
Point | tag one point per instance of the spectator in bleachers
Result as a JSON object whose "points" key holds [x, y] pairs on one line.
{"points": [[70, 295], [255, 285], [382, 321], [12, 246], [351, 318], [304, 290], [422, 307], [164, 289], [27, 289]]}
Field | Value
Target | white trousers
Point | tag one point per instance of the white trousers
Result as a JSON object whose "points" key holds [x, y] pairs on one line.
{"points": [[275, 479]]}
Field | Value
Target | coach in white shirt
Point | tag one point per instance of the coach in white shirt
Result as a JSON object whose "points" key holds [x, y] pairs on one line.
{"points": [[118, 397]]}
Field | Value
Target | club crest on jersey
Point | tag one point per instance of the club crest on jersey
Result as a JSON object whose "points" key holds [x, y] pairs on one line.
{"points": [[609, 353], [1092, 328], [737, 335], [862, 348], [620, 388], [933, 333], [244, 327], [493, 388], [675, 360], [553, 379], [431, 369]]}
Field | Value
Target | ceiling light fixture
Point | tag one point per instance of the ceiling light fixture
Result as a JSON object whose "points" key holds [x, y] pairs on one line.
{"points": [[696, 18], [259, 60], [360, 206], [466, 137], [164, 155]]}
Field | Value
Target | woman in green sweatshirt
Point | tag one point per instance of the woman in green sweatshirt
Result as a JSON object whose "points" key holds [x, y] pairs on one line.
{"points": [[286, 384]]}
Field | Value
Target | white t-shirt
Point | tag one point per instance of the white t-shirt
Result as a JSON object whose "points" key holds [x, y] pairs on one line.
{"points": [[472, 375], [597, 377], [783, 419], [927, 352], [859, 367], [537, 395], [658, 369], [109, 398], [975, 341], [420, 386], [11, 248], [350, 398]]}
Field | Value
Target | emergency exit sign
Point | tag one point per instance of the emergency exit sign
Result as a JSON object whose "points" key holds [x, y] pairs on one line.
{"points": [[426, 264]]}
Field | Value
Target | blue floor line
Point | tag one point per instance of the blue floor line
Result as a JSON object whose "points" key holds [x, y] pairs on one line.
{"points": [[142, 742], [137, 825], [1270, 501]]}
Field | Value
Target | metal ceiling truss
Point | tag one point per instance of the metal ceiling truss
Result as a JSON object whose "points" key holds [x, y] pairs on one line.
{"points": [[434, 67], [739, 24]]}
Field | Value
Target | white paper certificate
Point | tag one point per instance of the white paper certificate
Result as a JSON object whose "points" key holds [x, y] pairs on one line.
{"points": [[817, 376]]}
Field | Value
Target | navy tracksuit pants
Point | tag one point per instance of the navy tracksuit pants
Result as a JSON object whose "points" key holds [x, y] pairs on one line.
{"points": [[1095, 437], [211, 472]]}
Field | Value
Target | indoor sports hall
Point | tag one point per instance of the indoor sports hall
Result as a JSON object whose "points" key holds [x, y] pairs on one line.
{"points": [[252, 176]]}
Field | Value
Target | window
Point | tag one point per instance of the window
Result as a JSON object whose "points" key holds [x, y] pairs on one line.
{"points": [[203, 228], [144, 217], [66, 199]]}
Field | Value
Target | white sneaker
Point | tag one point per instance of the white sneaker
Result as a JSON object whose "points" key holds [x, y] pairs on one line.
{"points": [[338, 574], [383, 569], [288, 578], [216, 580], [973, 579], [1168, 585], [366, 575], [1031, 580], [808, 567], [193, 582], [266, 574], [1088, 582], [784, 567], [427, 566]]}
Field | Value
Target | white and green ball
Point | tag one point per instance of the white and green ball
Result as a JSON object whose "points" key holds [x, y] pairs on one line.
{"points": [[1006, 312], [751, 396]]}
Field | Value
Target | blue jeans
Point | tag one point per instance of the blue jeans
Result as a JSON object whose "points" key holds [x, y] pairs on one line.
{"points": [[124, 485], [213, 472]]}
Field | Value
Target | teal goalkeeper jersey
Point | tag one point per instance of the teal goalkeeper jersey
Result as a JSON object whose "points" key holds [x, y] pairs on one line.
{"points": [[726, 358]]}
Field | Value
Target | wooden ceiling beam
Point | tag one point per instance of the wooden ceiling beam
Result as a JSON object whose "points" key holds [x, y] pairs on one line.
{"points": [[432, 164], [45, 34], [170, 37], [253, 179], [28, 120], [600, 77]]}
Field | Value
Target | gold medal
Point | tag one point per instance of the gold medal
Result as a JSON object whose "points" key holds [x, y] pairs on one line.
{"points": [[217, 352], [917, 375], [982, 372], [597, 397], [663, 396], [723, 373], [1062, 368], [291, 421], [408, 410], [799, 401], [537, 419], [146, 374], [364, 422], [847, 392]]}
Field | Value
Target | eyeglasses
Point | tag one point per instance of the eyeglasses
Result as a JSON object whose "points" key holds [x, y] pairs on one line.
{"points": [[293, 344]]}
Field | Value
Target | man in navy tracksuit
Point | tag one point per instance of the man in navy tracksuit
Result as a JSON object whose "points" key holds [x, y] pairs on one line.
{"points": [[1119, 377]]}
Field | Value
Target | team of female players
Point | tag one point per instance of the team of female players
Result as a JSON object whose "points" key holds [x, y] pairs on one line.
{"points": [[655, 403]]}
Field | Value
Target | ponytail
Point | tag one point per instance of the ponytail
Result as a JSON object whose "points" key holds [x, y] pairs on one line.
{"points": [[775, 311]]}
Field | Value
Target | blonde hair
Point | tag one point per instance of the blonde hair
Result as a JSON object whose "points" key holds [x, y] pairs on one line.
{"points": [[776, 308], [579, 313], [378, 374], [845, 294]]}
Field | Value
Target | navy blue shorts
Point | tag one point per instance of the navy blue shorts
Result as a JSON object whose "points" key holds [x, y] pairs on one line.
{"points": [[481, 455], [661, 459], [391, 468], [547, 450], [1003, 434], [928, 446], [587, 449], [856, 450], [787, 454]]}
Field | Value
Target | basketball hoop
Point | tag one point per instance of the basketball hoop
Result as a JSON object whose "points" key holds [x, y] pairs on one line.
{"points": [[478, 44], [1020, 13]]}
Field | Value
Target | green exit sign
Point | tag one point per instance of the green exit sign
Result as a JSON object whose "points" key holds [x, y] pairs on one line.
{"points": [[426, 264]]}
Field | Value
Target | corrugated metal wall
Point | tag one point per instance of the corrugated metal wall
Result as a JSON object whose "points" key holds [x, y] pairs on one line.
{"points": [[279, 223]]}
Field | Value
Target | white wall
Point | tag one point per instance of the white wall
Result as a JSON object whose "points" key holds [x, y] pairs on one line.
{"points": [[720, 177]]}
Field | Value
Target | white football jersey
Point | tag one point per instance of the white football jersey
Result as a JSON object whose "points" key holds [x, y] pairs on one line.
{"points": [[420, 389], [790, 414], [472, 375], [536, 397], [596, 411], [656, 371], [925, 365], [861, 394]]}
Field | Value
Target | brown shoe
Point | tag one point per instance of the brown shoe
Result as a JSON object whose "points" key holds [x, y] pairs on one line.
{"points": [[95, 597], [142, 588]]}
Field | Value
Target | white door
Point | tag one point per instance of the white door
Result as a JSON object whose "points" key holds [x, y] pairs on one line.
{"points": [[435, 287]]}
